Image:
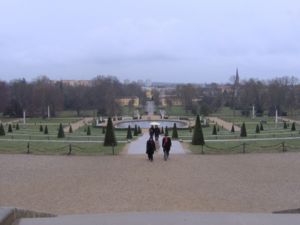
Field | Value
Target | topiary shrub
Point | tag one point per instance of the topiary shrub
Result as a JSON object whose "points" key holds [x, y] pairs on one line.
{"points": [[61, 133], [214, 132], [257, 130], [135, 131], [232, 129], [41, 128], [174, 132], [284, 125], [2, 131], [17, 126], [110, 138], [293, 126], [198, 138], [9, 129], [129, 133], [261, 127], [70, 129], [88, 132], [243, 130], [166, 131], [46, 130]]}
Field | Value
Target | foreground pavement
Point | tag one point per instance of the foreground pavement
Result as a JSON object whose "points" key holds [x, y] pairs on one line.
{"points": [[174, 218]]}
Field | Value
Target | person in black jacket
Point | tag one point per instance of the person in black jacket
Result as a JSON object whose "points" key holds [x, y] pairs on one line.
{"points": [[150, 148], [166, 144], [156, 132]]}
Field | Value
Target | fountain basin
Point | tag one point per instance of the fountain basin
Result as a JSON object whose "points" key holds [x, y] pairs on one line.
{"points": [[147, 123]]}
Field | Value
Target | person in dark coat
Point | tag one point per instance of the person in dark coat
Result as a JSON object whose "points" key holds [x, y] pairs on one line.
{"points": [[151, 131], [166, 145], [156, 132], [150, 148]]}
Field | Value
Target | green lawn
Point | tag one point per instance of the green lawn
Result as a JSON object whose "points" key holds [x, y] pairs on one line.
{"points": [[249, 147]]}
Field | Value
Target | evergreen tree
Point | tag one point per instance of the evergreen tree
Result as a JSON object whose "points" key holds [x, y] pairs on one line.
{"points": [[139, 130], [257, 129], [166, 131], [293, 126], [61, 133], [88, 132], [2, 131], [174, 132], [284, 125], [232, 129], [214, 132], [261, 127], [41, 128], [135, 131], [46, 130], [243, 130], [70, 129], [17, 126], [129, 133], [9, 129], [198, 138], [110, 138]]}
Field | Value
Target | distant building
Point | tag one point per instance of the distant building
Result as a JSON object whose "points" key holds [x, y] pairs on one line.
{"points": [[170, 99], [76, 82], [126, 101]]}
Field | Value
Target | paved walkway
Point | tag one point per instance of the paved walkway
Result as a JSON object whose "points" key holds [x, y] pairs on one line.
{"points": [[139, 146], [179, 218], [226, 125]]}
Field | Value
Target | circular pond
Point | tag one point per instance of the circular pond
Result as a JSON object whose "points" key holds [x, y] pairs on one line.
{"points": [[147, 123]]}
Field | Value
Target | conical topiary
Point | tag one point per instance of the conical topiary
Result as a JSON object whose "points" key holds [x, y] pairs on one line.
{"points": [[129, 133], [9, 129], [198, 138], [243, 130], [214, 132], [257, 130], [166, 131], [61, 133], [110, 138], [46, 130], [174, 132], [41, 128], [17, 126], [293, 126], [232, 129], [284, 125], [139, 130], [135, 131], [88, 131], [70, 129], [261, 127], [2, 131]]}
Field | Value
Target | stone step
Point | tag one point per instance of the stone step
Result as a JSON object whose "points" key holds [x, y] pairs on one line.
{"points": [[172, 218]]}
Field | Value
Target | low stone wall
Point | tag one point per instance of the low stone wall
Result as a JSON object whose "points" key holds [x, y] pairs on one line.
{"points": [[10, 216]]}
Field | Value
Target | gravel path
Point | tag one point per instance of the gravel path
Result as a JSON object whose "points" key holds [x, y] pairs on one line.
{"points": [[226, 125], [228, 183], [78, 124]]}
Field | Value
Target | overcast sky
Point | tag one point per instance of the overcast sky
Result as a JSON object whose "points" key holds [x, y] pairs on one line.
{"points": [[162, 40]]}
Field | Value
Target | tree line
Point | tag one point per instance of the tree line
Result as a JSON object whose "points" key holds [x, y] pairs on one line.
{"points": [[266, 96], [36, 96]]}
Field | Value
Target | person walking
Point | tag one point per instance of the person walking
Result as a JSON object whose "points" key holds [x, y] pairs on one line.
{"points": [[150, 148], [166, 144], [151, 131], [156, 132]]}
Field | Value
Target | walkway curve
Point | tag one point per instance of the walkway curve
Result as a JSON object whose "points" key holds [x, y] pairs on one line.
{"points": [[226, 125]]}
